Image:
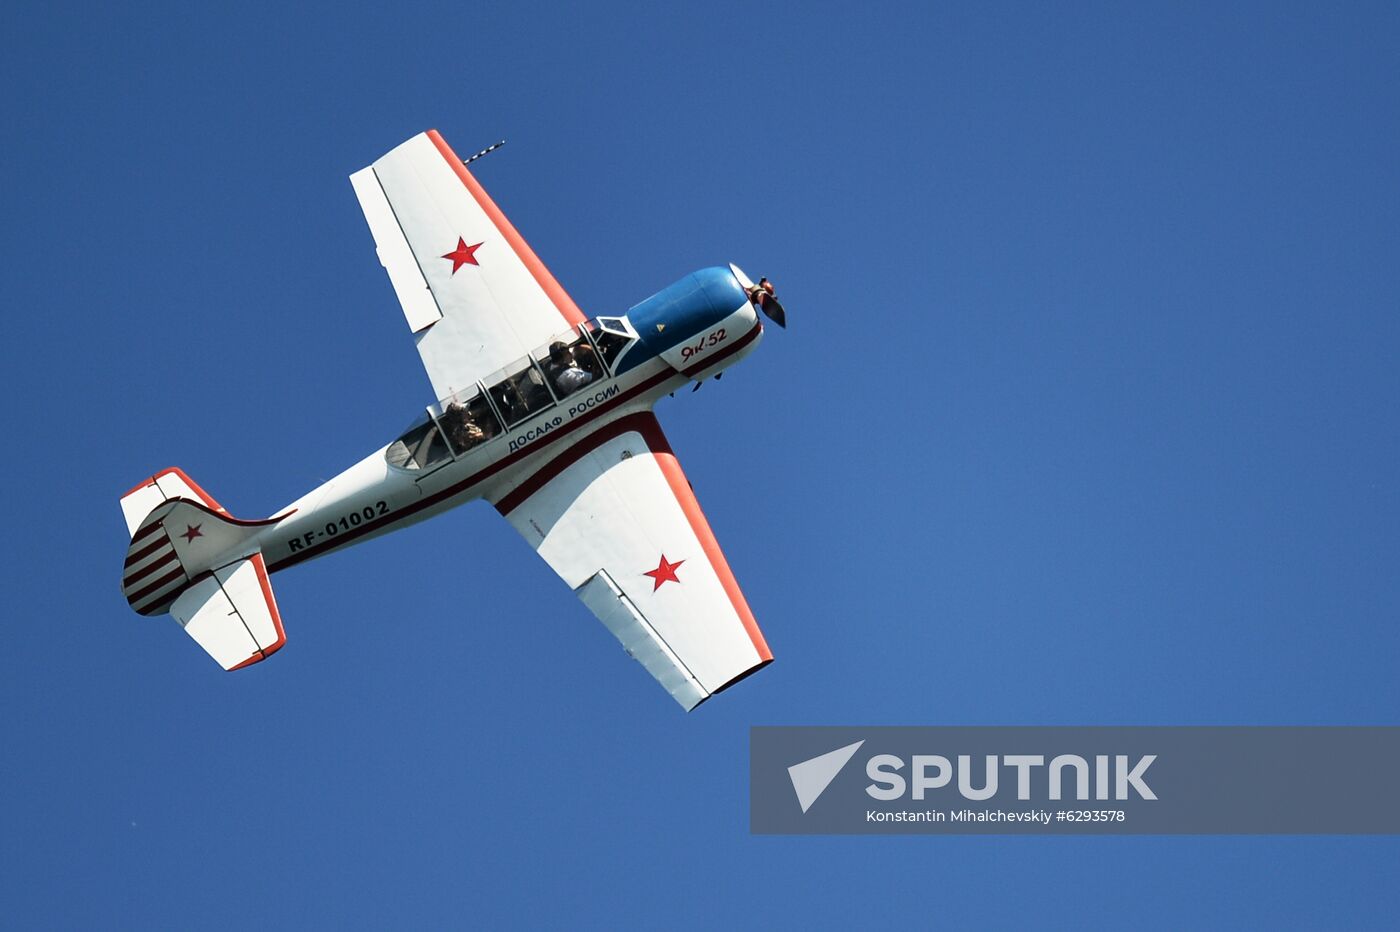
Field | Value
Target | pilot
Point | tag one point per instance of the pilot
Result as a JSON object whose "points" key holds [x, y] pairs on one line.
{"points": [[568, 376], [587, 359]]}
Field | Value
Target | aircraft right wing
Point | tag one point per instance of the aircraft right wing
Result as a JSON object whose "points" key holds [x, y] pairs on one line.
{"points": [[474, 293], [615, 517]]}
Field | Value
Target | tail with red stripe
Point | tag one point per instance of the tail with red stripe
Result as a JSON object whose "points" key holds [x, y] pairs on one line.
{"points": [[190, 557]]}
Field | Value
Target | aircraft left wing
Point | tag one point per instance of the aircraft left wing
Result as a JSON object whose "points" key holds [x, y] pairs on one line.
{"points": [[615, 517], [475, 295]]}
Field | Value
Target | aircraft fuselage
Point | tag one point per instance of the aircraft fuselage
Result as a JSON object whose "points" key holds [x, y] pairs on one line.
{"points": [[678, 340]]}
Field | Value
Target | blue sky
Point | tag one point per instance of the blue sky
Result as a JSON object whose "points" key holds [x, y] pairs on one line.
{"points": [[1086, 415]]}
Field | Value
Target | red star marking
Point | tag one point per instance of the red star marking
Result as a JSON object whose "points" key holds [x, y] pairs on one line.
{"points": [[664, 572], [191, 532], [462, 255]]}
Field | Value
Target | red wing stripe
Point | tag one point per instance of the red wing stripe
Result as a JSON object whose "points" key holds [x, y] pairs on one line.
{"points": [[567, 308], [680, 488]]}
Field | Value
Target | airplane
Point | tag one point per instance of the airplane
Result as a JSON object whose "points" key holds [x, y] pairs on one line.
{"points": [[542, 411]]}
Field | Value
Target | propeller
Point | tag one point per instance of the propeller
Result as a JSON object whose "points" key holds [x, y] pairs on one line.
{"points": [[762, 295]]}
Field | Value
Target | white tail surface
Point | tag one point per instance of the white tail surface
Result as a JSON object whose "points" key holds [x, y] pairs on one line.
{"points": [[232, 614], [162, 487]]}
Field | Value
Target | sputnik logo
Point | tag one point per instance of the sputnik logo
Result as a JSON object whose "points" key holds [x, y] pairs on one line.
{"points": [[811, 777]]}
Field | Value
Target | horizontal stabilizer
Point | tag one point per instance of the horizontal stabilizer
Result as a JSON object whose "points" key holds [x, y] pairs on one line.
{"points": [[232, 614]]}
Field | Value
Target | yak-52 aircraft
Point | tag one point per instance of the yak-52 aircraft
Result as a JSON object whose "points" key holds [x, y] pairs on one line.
{"points": [[543, 412]]}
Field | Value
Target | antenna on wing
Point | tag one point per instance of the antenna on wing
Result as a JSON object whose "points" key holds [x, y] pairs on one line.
{"points": [[487, 151]]}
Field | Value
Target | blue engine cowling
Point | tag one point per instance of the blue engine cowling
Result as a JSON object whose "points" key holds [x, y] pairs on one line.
{"points": [[688, 307]]}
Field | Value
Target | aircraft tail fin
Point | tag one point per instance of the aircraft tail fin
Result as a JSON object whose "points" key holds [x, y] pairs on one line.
{"points": [[190, 557], [168, 484]]}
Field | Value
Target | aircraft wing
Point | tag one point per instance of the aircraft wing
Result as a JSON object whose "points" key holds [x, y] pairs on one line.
{"points": [[474, 293], [615, 517]]}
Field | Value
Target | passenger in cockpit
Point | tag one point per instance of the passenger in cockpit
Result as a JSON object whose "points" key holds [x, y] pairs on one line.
{"points": [[461, 430], [568, 376]]}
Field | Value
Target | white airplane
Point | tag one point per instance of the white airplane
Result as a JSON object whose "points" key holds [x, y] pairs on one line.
{"points": [[542, 412]]}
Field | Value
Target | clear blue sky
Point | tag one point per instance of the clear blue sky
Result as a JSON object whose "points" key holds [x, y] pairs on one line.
{"points": [[1087, 414]]}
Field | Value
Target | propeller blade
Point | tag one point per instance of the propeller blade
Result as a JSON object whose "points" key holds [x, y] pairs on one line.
{"points": [[774, 309]]}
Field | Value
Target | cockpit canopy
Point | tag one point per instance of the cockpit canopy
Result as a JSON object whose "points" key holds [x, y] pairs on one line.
{"points": [[513, 394]]}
